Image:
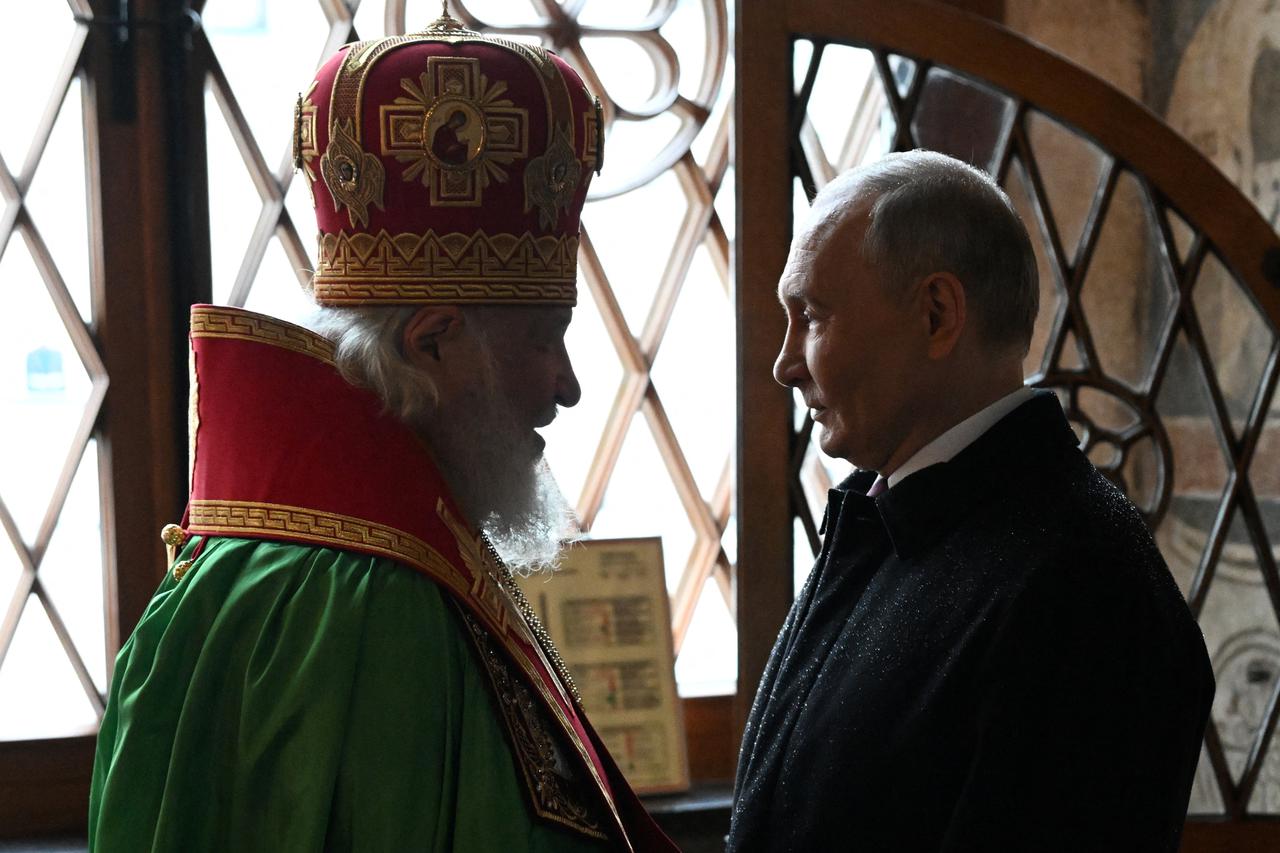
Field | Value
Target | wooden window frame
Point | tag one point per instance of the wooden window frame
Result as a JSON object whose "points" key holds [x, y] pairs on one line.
{"points": [[136, 180], [1175, 174]]}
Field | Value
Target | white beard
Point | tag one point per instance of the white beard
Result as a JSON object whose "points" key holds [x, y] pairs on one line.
{"points": [[531, 531], [498, 476]]}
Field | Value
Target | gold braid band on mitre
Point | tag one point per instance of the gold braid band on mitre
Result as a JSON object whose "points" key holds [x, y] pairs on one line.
{"points": [[477, 267]]}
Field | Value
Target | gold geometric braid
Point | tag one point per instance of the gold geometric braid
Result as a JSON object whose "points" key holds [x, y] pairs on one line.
{"points": [[455, 267], [483, 563], [560, 799], [250, 518], [216, 322]]}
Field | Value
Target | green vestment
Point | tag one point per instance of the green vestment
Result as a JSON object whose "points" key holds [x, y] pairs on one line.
{"points": [[285, 697], [335, 662]]}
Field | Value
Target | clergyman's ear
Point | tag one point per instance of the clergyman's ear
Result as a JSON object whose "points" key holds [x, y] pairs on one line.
{"points": [[429, 328]]}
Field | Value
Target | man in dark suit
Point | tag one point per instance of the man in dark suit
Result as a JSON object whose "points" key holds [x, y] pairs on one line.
{"points": [[990, 653]]}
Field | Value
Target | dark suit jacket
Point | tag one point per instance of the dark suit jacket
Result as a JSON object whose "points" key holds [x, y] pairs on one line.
{"points": [[990, 656]]}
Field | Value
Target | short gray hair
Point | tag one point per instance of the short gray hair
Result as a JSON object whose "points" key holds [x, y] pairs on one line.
{"points": [[933, 213]]}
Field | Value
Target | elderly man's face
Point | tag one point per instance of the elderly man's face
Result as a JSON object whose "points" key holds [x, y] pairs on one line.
{"points": [[500, 372], [851, 347], [532, 370]]}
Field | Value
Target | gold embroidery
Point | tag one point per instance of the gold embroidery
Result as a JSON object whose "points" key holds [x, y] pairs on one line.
{"points": [[181, 568], [249, 518], [473, 552], [485, 589], [173, 537], [218, 322], [454, 130], [551, 181], [554, 794], [510, 608], [304, 139], [453, 267], [593, 136], [354, 177], [347, 96]]}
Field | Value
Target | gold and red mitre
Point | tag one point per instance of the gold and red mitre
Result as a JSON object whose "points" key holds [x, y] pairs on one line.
{"points": [[447, 166]]}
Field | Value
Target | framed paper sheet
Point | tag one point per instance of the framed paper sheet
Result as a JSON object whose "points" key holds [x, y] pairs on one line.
{"points": [[608, 612]]}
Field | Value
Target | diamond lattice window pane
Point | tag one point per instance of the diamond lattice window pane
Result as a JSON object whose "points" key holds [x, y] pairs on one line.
{"points": [[641, 501], [708, 662], [10, 570], [799, 207], [962, 118], [1072, 356], [72, 570], [1070, 170], [234, 203], [302, 211], [43, 696], [1200, 467], [1127, 294], [58, 203], [1236, 334], [293, 34], [573, 436], [370, 18], [694, 373], [848, 120], [277, 290], [816, 478], [903, 71], [634, 235], [1206, 798], [721, 112], [1183, 234], [803, 557], [1052, 293], [726, 202], [31, 66], [729, 540], [1140, 473], [1243, 638], [44, 389]]}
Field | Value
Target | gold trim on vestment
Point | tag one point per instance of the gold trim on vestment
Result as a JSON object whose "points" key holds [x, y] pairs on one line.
{"points": [[213, 321], [251, 518], [553, 796], [456, 267], [504, 618]]}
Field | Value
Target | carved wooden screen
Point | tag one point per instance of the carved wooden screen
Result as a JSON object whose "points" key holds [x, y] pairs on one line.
{"points": [[647, 450], [1158, 319]]}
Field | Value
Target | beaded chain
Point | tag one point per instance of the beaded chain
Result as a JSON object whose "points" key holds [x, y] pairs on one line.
{"points": [[508, 582]]}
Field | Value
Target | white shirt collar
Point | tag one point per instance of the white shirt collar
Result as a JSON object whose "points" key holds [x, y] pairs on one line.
{"points": [[946, 446]]}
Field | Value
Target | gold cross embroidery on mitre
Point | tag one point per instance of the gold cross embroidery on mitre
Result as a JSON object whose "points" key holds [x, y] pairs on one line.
{"points": [[455, 130]]}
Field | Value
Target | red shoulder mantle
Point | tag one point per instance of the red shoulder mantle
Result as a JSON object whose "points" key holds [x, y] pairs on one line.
{"points": [[284, 448]]}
